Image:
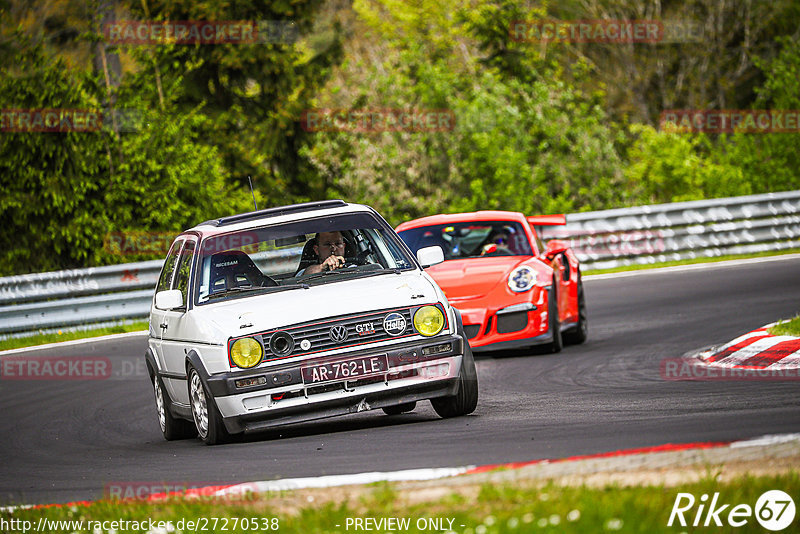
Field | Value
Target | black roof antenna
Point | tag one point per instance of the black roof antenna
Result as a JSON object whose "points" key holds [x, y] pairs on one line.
{"points": [[253, 192]]}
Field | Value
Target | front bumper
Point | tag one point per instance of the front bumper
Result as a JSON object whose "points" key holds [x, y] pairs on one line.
{"points": [[411, 376], [496, 325]]}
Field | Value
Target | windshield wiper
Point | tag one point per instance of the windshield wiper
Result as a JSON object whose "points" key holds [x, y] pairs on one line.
{"points": [[294, 286], [358, 272], [322, 274], [245, 289]]}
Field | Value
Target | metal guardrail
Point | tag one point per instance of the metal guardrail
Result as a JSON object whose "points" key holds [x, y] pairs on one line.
{"points": [[682, 230], [46, 302], [602, 239], [77, 282]]}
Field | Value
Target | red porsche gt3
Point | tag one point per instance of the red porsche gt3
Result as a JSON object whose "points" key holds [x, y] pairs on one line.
{"points": [[511, 290]]}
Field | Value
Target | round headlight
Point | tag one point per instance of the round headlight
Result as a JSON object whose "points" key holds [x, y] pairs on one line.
{"points": [[429, 320], [246, 352], [521, 279]]}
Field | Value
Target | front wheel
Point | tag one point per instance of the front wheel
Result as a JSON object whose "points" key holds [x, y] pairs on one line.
{"points": [[207, 418], [466, 400], [554, 322], [172, 427]]}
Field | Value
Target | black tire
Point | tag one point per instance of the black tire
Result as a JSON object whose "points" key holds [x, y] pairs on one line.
{"points": [[207, 419], [173, 428], [466, 400], [400, 408], [554, 322], [580, 332]]}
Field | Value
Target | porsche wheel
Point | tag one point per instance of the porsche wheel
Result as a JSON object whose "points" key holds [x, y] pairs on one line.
{"points": [[172, 427], [553, 321], [206, 416], [579, 334], [400, 408], [466, 400]]}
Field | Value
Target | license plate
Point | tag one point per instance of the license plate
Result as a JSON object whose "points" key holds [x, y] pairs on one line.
{"points": [[345, 370]]}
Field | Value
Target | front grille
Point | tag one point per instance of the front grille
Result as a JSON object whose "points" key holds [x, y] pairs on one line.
{"points": [[361, 329], [471, 330], [511, 322]]}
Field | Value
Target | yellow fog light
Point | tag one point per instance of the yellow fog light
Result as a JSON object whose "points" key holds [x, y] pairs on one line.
{"points": [[429, 320], [246, 352]]}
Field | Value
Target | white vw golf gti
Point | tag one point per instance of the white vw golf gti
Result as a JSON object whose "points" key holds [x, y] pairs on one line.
{"points": [[297, 313]]}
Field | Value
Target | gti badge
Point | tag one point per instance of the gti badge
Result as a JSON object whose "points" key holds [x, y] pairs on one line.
{"points": [[338, 333]]}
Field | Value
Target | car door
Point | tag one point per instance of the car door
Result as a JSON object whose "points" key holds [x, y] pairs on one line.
{"points": [[157, 316], [175, 325]]}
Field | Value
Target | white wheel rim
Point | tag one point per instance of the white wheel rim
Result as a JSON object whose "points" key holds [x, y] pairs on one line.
{"points": [[162, 416], [199, 406]]}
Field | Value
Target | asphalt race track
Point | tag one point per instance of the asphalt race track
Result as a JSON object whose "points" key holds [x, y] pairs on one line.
{"points": [[66, 440]]}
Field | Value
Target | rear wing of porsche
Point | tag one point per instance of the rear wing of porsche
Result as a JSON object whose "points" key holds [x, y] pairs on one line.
{"points": [[547, 220]]}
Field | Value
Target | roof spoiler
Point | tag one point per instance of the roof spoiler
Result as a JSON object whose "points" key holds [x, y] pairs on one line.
{"points": [[547, 220]]}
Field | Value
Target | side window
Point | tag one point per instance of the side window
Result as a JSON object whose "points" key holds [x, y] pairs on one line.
{"points": [[184, 269], [169, 267]]}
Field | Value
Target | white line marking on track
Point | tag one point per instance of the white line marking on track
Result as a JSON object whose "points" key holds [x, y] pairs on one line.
{"points": [[691, 267], [74, 342], [769, 439], [343, 480]]}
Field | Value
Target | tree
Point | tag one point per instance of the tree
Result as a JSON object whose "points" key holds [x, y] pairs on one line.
{"points": [[524, 139], [255, 93], [66, 191]]}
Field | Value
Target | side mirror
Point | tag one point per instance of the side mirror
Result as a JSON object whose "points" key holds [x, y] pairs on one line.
{"points": [[430, 256], [169, 300], [554, 248]]}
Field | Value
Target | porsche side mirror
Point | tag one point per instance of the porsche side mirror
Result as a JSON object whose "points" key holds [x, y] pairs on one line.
{"points": [[430, 256]]}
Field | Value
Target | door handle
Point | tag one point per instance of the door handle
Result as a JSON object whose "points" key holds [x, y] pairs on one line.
{"points": [[164, 326]]}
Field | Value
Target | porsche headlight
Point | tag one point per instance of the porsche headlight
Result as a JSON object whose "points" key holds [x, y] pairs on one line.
{"points": [[429, 320], [246, 352], [521, 279]]}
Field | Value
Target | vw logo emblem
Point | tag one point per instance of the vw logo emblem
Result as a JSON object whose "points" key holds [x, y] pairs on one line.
{"points": [[338, 333]]}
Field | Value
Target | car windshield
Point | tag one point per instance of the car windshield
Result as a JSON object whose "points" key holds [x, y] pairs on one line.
{"points": [[471, 239], [287, 256]]}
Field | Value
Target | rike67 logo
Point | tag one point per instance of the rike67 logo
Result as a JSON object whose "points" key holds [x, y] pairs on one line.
{"points": [[774, 510]]}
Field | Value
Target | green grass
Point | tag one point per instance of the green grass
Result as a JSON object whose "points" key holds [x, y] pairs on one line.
{"points": [[41, 339], [498, 509], [692, 261], [789, 327]]}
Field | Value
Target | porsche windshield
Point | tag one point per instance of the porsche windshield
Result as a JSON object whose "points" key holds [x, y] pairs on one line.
{"points": [[296, 256], [471, 239]]}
